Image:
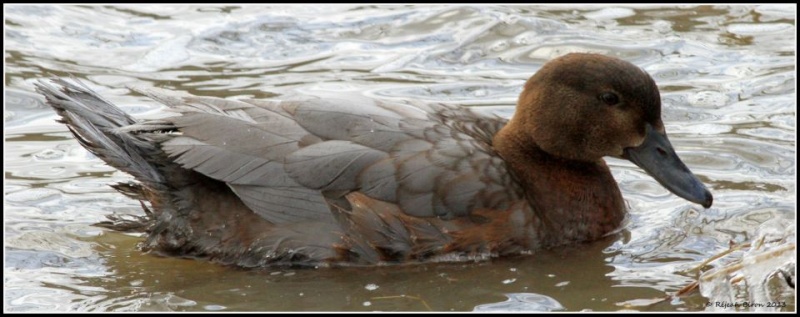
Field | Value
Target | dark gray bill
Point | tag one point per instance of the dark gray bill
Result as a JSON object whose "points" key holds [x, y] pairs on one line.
{"points": [[656, 156]]}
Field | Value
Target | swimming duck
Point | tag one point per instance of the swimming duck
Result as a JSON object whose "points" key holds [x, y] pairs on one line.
{"points": [[350, 180]]}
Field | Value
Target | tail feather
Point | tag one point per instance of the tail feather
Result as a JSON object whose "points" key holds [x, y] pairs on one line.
{"points": [[113, 136], [97, 124]]}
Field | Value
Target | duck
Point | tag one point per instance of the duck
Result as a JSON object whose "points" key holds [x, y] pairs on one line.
{"points": [[349, 180]]}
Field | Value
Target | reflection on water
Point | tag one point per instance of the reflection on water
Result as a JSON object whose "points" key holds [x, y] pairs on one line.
{"points": [[727, 76]]}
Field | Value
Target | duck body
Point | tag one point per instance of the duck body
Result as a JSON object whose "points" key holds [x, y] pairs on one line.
{"points": [[349, 180]]}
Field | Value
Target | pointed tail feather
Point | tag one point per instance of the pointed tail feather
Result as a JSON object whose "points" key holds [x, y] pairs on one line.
{"points": [[111, 134], [96, 123]]}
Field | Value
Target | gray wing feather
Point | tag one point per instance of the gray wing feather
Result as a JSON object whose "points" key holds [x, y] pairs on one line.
{"points": [[245, 145], [331, 165], [379, 180], [280, 156], [284, 204]]}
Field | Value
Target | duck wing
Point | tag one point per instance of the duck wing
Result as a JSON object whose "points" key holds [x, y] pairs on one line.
{"points": [[289, 161]]}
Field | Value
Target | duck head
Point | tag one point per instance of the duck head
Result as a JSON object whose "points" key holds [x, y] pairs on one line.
{"points": [[586, 106]]}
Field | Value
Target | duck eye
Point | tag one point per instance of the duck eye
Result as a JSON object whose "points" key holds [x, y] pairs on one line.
{"points": [[609, 98]]}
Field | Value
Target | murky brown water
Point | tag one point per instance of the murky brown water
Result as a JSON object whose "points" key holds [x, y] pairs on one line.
{"points": [[727, 76]]}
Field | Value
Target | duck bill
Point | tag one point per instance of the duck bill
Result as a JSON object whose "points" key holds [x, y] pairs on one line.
{"points": [[657, 157]]}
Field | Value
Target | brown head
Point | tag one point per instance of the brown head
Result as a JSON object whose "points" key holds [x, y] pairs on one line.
{"points": [[585, 106]]}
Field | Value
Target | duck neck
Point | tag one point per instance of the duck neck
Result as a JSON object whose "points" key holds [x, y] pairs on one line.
{"points": [[574, 200]]}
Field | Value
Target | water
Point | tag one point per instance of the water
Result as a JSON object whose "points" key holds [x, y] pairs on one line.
{"points": [[726, 73]]}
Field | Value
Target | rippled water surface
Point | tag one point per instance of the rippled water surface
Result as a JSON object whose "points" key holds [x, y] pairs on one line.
{"points": [[726, 73]]}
